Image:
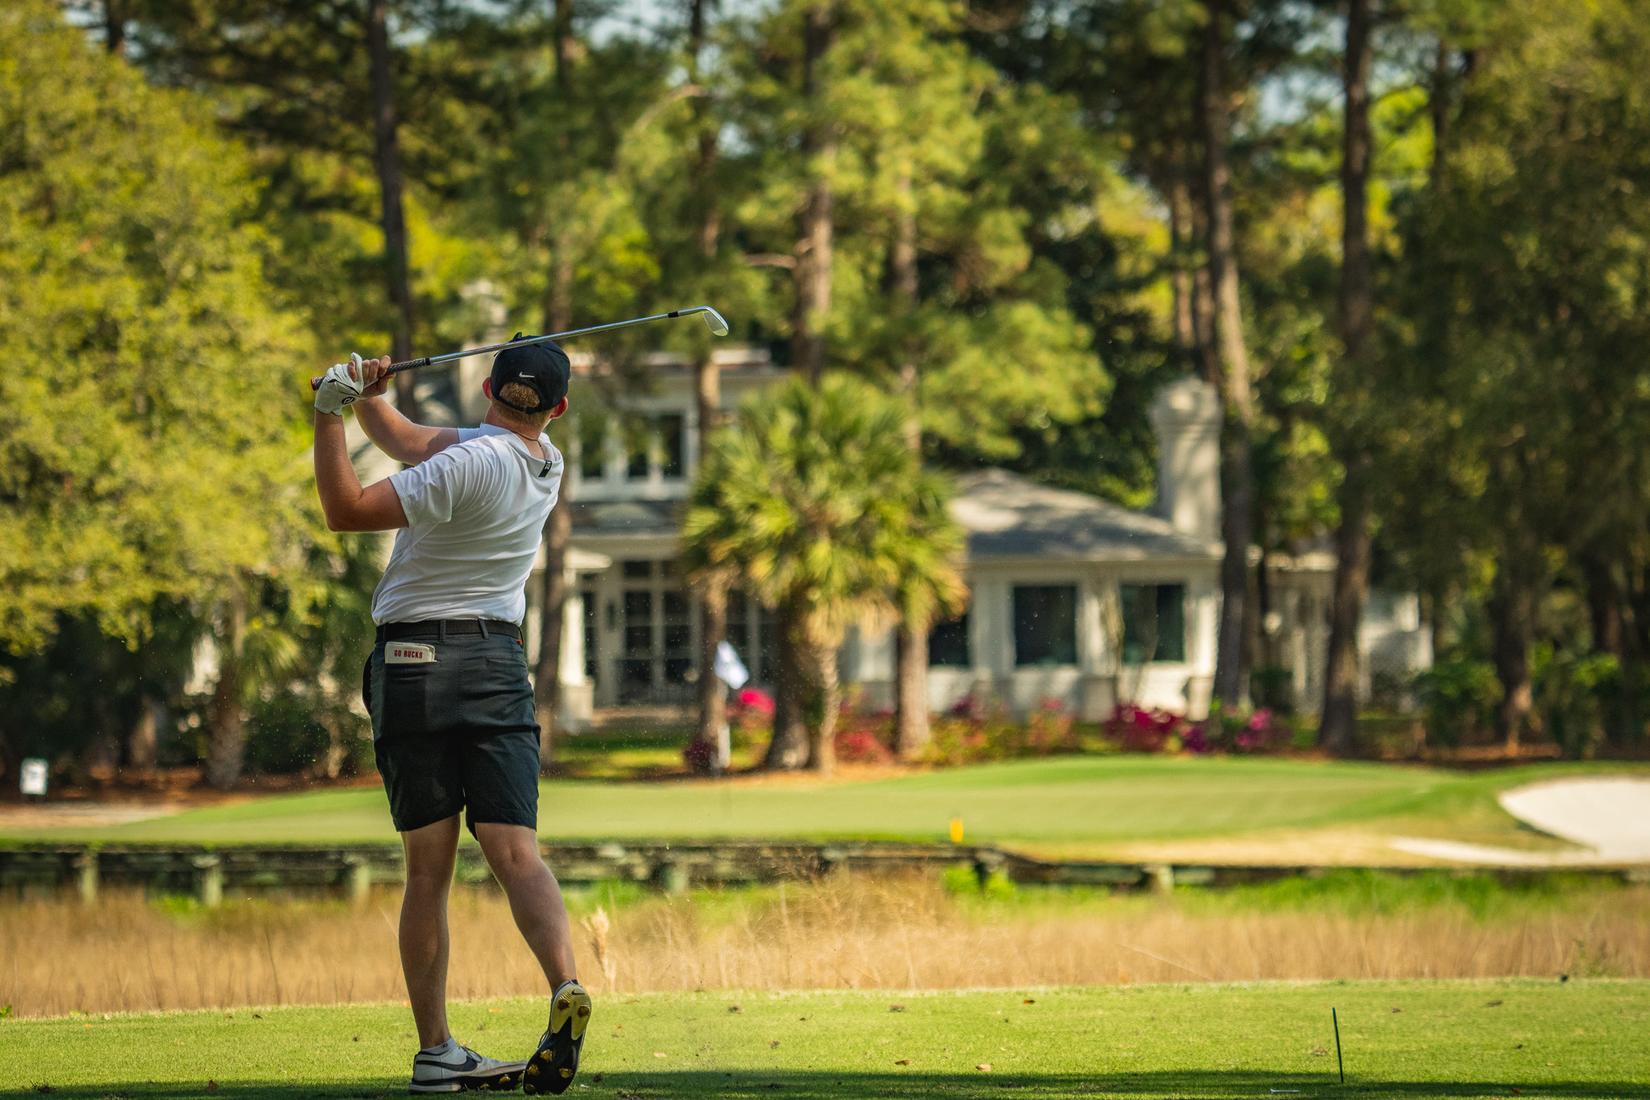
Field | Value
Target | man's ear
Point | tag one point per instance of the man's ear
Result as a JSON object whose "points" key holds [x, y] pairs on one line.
{"points": [[487, 388], [560, 410]]}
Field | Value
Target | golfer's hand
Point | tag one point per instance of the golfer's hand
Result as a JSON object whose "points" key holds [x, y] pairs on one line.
{"points": [[340, 386], [375, 376]]}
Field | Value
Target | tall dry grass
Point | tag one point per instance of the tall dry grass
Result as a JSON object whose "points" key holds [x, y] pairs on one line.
{"points": [[129, 954]]}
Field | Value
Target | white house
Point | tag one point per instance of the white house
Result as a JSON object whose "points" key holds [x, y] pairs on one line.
{"points": [[1072, 598]]}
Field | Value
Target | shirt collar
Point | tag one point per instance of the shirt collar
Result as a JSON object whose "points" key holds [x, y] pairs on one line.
{"points": [[520, 443]]}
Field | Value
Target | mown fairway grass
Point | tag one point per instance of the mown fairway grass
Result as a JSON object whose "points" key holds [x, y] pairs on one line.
{"points": [[1067, 806], [1402, 1039]]}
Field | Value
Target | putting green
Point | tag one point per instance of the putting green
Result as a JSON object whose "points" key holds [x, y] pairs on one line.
{"points": [[1066, 805], [1401, 1039]]}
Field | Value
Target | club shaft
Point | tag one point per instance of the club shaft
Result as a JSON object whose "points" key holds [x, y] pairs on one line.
{"points": [[465, 353]]}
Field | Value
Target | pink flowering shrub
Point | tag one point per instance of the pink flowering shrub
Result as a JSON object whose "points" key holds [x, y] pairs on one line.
{"points": [[859, 744], [976, 730], [1141, 729]]}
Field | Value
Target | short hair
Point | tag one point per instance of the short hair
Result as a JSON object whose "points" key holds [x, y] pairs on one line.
{"points": [[520, 395]]}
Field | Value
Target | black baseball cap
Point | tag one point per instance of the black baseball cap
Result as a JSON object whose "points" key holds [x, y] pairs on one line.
{"points": [[542, 367]]}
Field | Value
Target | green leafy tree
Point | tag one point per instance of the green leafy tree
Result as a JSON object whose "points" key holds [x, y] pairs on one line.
{"points": [[815, 501], [146, 451], [566, 130], [913, 255], [1524, 371]]}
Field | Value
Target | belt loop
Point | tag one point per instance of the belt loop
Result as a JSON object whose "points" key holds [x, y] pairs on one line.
{"points": [[483, 623], [441, 630]]}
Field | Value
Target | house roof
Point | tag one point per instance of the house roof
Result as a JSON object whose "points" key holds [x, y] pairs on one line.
{"points": [[627, 517], [1010, 517], [1006, 517]]}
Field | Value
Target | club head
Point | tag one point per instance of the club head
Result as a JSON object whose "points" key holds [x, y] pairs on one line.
{"points": [[717, 323]]}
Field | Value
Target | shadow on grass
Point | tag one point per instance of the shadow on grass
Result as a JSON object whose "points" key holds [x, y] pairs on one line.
{"points": [[814, 1085]]}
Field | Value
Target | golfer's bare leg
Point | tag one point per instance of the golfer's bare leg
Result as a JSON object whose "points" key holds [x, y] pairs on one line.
{"points": [[512, 852], [430, 855]]}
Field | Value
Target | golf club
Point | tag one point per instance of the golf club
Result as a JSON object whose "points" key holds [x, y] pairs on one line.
{"points": [[717, 324]]}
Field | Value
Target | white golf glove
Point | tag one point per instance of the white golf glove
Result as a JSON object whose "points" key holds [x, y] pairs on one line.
{"points": [[340, 386]]}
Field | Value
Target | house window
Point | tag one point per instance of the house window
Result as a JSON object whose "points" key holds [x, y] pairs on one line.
{"points": [[638, 449], [656, 639], [660, 440], [672, 445], [1154, 622], [1045, 624], [948, 643], [592, 446]]}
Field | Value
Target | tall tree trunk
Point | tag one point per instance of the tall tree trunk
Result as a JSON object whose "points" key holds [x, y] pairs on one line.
{"points": [[911, 727], [11, 763], [1438, 106], [558, 536], [226, 717], [713, 593], [826, 708], [558, 533], [114, 27], [1512, 618], [911, 730], [707, 389], [558, 526], [1339, 724], [1206, 357], [143, 736], [792, 691], [813, 269], [387, 148], [1232, 359], [1606, 604], [1181, 230]]}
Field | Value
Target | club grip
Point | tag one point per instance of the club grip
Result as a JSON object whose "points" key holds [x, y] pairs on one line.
{"points": [[394, 368]]}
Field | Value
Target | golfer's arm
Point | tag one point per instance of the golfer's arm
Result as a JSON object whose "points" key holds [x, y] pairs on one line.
{"points": [[398, 437], [347, 506]]}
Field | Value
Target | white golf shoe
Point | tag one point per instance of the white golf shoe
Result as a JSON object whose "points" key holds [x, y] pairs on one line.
{"points": [[460, 1069]]}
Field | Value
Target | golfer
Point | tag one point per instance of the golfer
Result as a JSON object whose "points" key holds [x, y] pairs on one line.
{"points": [[453, 727]]}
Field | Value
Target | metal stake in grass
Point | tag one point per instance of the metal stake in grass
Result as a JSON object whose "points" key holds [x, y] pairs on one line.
{"points": [[1339, 1065]]}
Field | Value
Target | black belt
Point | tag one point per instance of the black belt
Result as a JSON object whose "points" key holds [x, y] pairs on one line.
{"points": [[441, 628]]}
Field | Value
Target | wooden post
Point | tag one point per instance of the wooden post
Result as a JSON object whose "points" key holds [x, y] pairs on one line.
{"points": [[208, 880], [671, 877], [357, 878], [1161, 876], [86, 876]]}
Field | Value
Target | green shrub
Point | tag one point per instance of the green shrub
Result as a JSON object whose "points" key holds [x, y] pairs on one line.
{"points": [[1458, 698], [1273, 688], [1572, 691]]}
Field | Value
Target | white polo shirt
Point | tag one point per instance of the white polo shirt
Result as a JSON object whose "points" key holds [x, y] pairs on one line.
{"points": [[475, 512]]}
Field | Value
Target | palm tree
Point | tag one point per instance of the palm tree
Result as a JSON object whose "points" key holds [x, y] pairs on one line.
{"points": [[814, 500]]}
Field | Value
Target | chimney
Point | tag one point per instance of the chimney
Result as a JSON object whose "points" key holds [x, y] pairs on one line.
{"points": [[486, 303], [1186, 419]]}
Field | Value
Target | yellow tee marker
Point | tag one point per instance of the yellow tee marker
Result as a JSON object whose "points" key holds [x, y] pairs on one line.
{"points": [[956, 830]]}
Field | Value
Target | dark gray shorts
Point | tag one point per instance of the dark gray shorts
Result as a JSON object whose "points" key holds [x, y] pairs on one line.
{"points": [[456, 734]]}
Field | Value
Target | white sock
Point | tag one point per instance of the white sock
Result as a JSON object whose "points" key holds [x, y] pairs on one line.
{"points": [[448, 1047]]}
